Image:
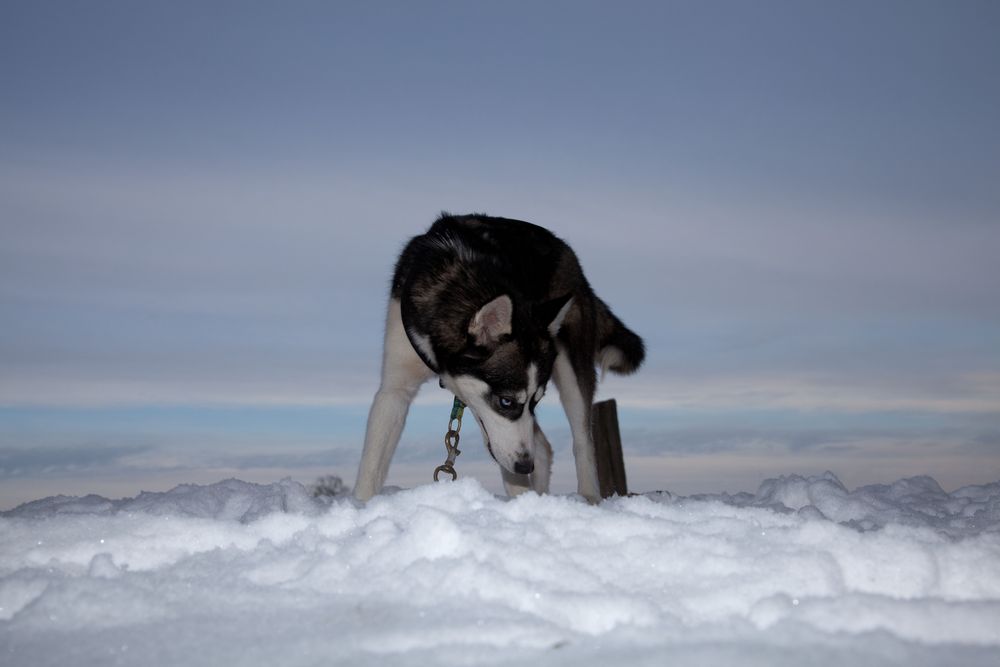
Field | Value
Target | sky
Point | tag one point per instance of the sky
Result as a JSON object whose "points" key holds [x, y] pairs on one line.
{"points": [[794, 203]]}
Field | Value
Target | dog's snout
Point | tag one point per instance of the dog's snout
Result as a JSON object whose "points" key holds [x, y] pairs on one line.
{"points": [[524, 467]]}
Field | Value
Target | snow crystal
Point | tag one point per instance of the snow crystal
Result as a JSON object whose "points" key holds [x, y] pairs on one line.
{"points": [[804, 570]]}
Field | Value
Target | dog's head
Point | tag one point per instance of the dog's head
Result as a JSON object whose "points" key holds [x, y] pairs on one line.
{"points": [[502, 372]]}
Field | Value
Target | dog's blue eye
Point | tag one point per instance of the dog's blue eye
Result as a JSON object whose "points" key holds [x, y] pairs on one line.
{"points": [[506, 402]]}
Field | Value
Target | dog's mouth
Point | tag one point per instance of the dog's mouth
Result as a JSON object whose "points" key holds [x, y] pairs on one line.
{"points": [[489, 448]]}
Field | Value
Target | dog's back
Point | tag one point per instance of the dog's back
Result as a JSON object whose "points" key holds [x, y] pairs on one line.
{"points": [[511, 254], [461, 262]]}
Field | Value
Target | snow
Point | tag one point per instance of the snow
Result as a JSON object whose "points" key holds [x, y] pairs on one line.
{"points": [[803, 571]]}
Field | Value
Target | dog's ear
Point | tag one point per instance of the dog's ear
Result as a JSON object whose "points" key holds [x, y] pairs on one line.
{"points": [[550, 314], [492, 321]]}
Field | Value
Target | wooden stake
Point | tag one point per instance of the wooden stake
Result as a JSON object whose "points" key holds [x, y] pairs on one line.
{"points": [[608, 446]]}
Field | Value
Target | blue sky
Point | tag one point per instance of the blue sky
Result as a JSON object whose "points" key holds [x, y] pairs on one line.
{"points": [[794, 203]]}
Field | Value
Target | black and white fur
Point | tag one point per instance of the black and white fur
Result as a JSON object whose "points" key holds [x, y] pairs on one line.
{"points": [[495, 307]]}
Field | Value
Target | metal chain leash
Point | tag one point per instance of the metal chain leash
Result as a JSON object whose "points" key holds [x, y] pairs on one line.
{"points": [[451, 439]]}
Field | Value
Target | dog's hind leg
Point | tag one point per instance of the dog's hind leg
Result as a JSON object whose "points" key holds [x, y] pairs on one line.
{"points": [[576, 393], [402, 374], [538, 480]]}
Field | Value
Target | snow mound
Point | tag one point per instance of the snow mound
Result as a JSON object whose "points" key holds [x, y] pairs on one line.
{"points": [[916, 501], [801, 571], [229, 499]]}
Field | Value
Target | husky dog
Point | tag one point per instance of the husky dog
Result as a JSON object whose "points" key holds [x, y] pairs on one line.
{"points": [[495, 307]]}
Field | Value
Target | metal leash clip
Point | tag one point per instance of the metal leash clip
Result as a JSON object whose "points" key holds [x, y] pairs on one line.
{"points": [[451, 439]]}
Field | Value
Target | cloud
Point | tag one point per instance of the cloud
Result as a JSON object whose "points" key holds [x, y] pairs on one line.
{"points": [[128, 281], [64, 461], [963, 393]]}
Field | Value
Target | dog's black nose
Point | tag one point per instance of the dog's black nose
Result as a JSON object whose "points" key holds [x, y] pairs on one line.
{"points": [[524, 467]]}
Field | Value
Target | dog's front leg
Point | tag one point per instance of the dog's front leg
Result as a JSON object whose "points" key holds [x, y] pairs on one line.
{"points": [[385, 426], [576, 398], [402, 374], [543, 462]]}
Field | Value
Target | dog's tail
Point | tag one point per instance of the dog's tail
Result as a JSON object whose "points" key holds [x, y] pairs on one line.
{"points": [[619, 349]]}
